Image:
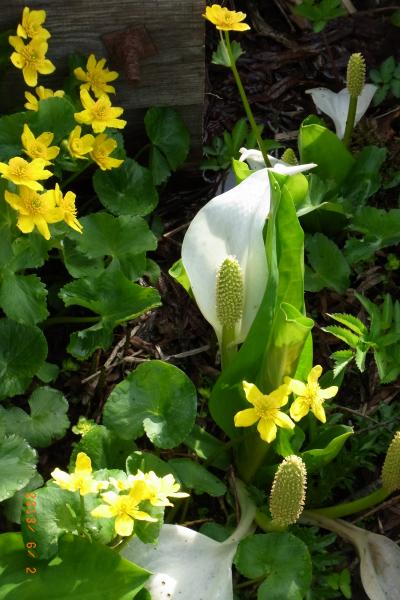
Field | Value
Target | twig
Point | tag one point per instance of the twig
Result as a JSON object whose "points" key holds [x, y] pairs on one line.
{"points": [[349, 6]]}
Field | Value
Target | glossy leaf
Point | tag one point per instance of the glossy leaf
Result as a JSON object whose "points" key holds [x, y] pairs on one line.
{"points": [[326, 446], [17, 464], [157, 399], [322, 253], [128, 190], [23, 298], [82, 570], [196, 477], [23, 351], [167, 131], [267, 555]]}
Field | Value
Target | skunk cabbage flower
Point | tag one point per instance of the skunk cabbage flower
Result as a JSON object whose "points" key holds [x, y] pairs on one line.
{"points": [[336, 106], [188, 565], [230, 226]]}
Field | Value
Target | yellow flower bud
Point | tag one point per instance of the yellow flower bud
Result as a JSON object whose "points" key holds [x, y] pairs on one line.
{"points": [[286, 501], [356, 74], [289, 157], [391, 466], [230, 292]]}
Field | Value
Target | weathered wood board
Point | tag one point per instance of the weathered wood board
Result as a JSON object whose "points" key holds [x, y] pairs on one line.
{"points": [[172, 76]]}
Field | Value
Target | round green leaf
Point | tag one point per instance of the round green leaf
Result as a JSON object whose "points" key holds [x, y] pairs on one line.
{"points": [[47, 422], [55, 115], [17, 465], [168, 132], [23, 350], [23, 298], [11, 127], [81, 571], [280, 557], [157, 398], [128, 190]]}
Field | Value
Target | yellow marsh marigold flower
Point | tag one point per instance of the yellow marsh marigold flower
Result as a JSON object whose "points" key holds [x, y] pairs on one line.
{"points": [[102, 148], [99, 113], [81, 479], [35, 210], [160, 489], [79, 146], [266, 411], [31, 58], [310, 396], [96, 77], [39, 147], [22, 172], [66, 206], [224, 19], [31, 26], [42, 94], [125, 508]]}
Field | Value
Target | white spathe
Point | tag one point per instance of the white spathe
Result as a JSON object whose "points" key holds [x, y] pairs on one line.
{"points": [[188, 565], [336, 106], [231, 224]]}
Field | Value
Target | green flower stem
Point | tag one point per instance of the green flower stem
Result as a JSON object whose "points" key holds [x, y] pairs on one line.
{"points": [[118, 547], [82, 515], [351, 117], [349, 508], [70, 320], [251, 455], [72, 177], [228, 347], [245, 102], [267, 524]]}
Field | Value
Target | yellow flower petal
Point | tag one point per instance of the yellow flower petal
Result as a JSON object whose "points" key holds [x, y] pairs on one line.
{"points": [[314, 375], [318, 411], [124, 525], [283, 420], [267, 430], [330, 392], [83, 463], [299, 409], [246, 418], [298, 387], [253, 394], [102, 511]]}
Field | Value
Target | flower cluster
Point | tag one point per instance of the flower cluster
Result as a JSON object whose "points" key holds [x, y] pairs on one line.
{"points": [[309, 398], [131, 499], [31, 56], [37, 207]]}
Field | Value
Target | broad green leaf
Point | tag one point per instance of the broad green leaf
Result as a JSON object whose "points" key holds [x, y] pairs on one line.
{"points": [[78, 264], [159, 166], [343, 334], [320, 145], [23, 351], [55, 115], [17, 464], [349, 321], [48, 372], [23, 298], [157, 399], [378, 224], [364, 180], [13, 506], [125, 239], [194, 476], [11, 127], [322, 254], [241, 170], [282, 558], [58, 512], [81, 571], [177, 271], [209, 448], [326, 446], [128, 190], [167, 131], [114, 298], [146, 462], [47, 421], [105, 449]]}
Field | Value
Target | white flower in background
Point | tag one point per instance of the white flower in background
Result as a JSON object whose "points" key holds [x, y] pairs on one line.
{"points": [[188, 565], [336, 106], [230, 226], [255, 160]]}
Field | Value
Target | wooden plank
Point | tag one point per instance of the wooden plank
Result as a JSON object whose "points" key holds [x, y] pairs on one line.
{"points": [[174, 76]]}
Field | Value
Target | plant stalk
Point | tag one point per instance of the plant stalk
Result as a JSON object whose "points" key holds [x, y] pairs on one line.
{"points": [[245, 102], [351, 117], [349, 508], [228, 346]]}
